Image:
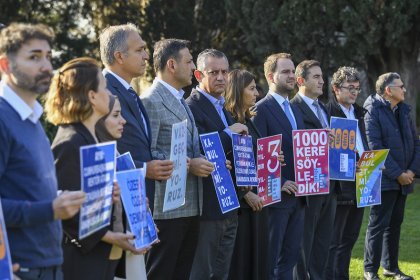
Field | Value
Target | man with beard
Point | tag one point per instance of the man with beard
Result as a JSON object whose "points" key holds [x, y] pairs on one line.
{"points": [[27, 175], [275, 115], [178, 228]]}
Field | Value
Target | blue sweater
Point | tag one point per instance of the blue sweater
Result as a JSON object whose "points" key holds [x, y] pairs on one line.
{"points": [[28, 186]]}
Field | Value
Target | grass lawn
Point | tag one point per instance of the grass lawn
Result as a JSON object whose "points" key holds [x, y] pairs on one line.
{"points": [[409, 259]]}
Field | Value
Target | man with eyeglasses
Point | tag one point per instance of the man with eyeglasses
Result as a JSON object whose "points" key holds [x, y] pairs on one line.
{"points": [[348, 218], [217, 230], [389, 126]]}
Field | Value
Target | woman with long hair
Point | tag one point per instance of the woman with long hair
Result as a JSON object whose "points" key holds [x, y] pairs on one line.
{"points": [[77, 99]]}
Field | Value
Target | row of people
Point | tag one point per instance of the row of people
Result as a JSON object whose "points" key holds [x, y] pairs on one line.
{"points": [[287, 240]]}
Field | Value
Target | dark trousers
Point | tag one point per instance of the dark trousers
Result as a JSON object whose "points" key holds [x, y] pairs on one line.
{"points": [[285, 238], [317, 234], [44, 273], [383, 232], [214, 250], [249, 260], [348, 220], [172, 257]]}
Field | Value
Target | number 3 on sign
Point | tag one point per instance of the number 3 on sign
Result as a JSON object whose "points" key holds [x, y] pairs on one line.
{"points": [[274, 152]]}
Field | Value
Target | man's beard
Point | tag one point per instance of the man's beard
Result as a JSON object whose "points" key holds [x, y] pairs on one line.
{"points": [[27, 83]]}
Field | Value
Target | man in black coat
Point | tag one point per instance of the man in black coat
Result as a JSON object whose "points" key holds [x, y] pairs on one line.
{"points": [[389, 126], [348, 218]]}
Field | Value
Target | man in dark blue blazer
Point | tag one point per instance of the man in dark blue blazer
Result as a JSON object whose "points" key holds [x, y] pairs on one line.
{"points": [[320, 213], [217, 230], [124, 55], [274, 115]]}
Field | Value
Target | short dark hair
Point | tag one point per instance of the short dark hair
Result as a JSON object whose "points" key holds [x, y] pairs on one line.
{"points": [[345, 74], [15, 35], [166, 49], [202, 57], [302, 69], [270, 63], [385, 80]]}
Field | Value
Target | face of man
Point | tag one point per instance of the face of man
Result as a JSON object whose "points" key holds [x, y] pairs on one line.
{"points": [[283, 78], [347, 93], [396, 91], [134, 61], [313, 82], [30, 68], [184, 68], [214, 76]]}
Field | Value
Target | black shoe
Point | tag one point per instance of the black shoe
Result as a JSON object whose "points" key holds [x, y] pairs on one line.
{"points": [[371, 276], [397, 274]]}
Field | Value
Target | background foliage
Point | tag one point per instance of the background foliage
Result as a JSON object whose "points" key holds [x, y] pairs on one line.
{"points": [[376, 36]]}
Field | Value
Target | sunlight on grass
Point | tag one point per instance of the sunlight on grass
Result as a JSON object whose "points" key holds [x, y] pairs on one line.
{"points": [[409, 242]]}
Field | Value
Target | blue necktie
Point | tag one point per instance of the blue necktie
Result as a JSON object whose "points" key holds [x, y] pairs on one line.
{"points": [[136, 98], [289, 114], [319, 114]]}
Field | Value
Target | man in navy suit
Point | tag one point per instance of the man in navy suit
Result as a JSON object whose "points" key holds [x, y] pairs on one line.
{"points": [[274, 115], [124, 55], [320, 213], [217, 231]]}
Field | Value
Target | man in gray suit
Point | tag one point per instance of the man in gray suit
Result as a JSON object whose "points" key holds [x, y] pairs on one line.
{"points": [[164, 103]]}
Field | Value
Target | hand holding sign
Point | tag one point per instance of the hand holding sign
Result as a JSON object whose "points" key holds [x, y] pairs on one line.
{"points": [[159, 169], [67, 204], [201, 167]]}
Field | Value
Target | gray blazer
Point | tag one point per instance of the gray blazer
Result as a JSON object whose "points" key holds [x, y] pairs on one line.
{"points": [[164, 110]]}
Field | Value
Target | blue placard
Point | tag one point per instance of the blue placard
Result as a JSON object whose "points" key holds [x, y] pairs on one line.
{"points": [[5, 258], [125, 162], [133, 195], [342, 152], [222, 180], [97, 169], [244, 160]]}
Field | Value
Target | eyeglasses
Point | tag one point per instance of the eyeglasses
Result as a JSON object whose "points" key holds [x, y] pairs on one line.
{"points": [[215, 73], [352, 89], [401, 86]]}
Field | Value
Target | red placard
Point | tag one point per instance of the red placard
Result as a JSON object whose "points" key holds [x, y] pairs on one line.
{"points": [[269, 169]]}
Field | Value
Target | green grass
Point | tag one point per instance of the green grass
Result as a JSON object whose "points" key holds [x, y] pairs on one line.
{"points": [[409, 259]]}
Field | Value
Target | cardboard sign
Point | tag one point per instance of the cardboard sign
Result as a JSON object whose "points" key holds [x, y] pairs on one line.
{"points": [[6, 271], [244, 161]]}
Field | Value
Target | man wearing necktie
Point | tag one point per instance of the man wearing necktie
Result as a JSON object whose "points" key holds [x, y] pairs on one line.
{"points": [[124, 55], [164, 102], [217, 230], [275, 115], [320, 213]]}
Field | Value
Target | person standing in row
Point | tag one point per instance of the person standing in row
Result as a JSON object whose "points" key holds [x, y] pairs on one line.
{"points": [[32, 210], [179, 228], [275, 115]]}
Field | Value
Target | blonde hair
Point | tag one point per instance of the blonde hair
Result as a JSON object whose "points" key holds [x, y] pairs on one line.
{"points": [[67, 101]]}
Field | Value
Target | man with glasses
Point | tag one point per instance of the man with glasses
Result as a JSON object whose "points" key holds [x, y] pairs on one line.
{"points": [[348, 218], [389, 126], [217, 230]]}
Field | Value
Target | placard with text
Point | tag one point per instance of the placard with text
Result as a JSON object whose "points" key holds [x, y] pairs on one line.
{"points": [[244, 160], [6, 270]]}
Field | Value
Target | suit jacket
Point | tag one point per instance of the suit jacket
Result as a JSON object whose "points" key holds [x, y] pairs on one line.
{"points": [[271, 120], [207, 120], [312, 122], [347, 188], [134, 138], [65, 148], [164, 110]]}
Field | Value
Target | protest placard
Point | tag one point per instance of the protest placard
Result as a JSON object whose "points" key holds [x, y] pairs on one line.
{"points": [[310, 152], [97, 166], [223, 184], [6, 271], [133, 195], [244, 161], [368, 179], [175, 186], [269, 169], [342, 150]]}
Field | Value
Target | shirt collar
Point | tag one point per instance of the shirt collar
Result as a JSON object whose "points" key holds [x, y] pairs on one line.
{"points": [[121, 80], [179, 94], [345, 110], [20, 106], [280, 99], [308, 101], [212, 99]]}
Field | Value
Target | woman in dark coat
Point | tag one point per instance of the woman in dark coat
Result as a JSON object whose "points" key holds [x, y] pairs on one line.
{"points": [[77, 99]]}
